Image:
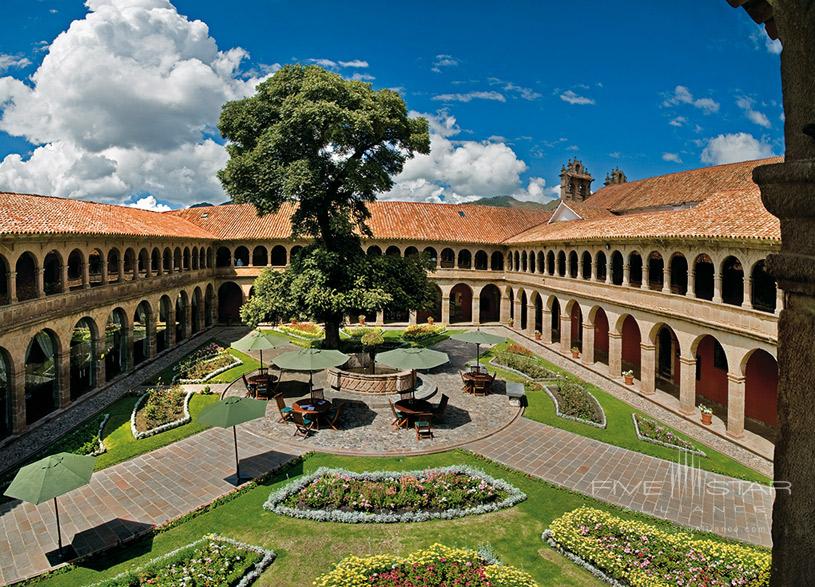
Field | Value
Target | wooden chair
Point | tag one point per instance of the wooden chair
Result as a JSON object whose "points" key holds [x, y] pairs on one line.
{"points": [[251, 388], [400, 420], [468, 383], [480, 387], [303, 427], [335, 419], [438, 411], [407, 394], [317, 393], [423, 429], [285, 411]]}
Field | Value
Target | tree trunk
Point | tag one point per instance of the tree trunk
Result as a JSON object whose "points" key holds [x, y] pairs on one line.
{"points": [[332, 333]]}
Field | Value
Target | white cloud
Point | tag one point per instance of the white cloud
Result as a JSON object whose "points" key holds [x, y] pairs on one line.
{"points": [[9, 61], [678, 121], [752, 115], [761, 40], [359, 63], [731, 148], [571, 97], [682, 95], [459, 170], [672, 157], [122, 104], [150, 203], [520, 91], [332, 64], [363, 77], [442, 61], [469, 96]]}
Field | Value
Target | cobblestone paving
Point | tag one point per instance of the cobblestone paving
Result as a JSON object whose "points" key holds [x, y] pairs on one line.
{"points": [[128, 499], [684, 495]]}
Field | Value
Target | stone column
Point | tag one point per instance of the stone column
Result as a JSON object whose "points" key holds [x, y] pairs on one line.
{"points": [[150, 333], [666, 280], [608, 271], [546, 324], [476, 309], [504, 308], [579, 266], [171, 326], [201, 316], [99, 358], [517, 312], [86, 275], [530, 320], [18, 418], [691, 293], [615, 354], [747, 302], [735, 405], [40, 277], [445, 309], [587, 354], [187, 320], [63, 276], [63, 360], [717, 288], [566, 333], [12, 287], [130, 348], [687, 385], [626, 274], [412, 317], [120, 268], [104, 270], [648, 364], [646, 275]]}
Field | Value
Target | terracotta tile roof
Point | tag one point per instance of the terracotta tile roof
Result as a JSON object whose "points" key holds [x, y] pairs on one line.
{"points": [[390, 220], [31, 214], [587, 212], [676, 189]]}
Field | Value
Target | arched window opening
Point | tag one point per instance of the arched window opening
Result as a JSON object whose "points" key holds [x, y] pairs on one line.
{"points": [[524, 264], [576, 323], [96, 262], [26, 269], [524, 311], [631, 343], [703, 277], [155, 262], [667, 372], [196, 310], [538, 303], [52, 274], [5, 275], [223, 258], [144, 262], [393, 251], [241, 257], [532, 267], [561, 264], [432, 256], [465, 259], [75, 262], [41, 376], [230, 300], [656, 267], [374, 250], [497, 261], [141, 343], [181, 317], [185, 259], [489, 304], [711, 375], [163, 325], [732, 281], [761, 394], [129, 265], [573, 264], [194, 258], [167, 261], [635, 270], [260, 256], [6, 425], [448, 259], [83, 358], [601, 266], [679, 275], [461, 304], [601, 336], [550, 263], [517, 261], [555, 320], [177, 259], [115, 344], [764, 288], [586, 265], [481, 260], [411, 252], [114, 265], [617, 268], [208, 301]]}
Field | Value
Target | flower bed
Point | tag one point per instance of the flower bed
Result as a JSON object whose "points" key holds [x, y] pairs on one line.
{"points": [[159, 410], [651, 431], [84, 440], [523, 365], [624, 552], [303, 330], [212, 560], [574, 402], [337, 495], [190, 366], [357, 332], [432, 567], [423, 332], [205, 369]]}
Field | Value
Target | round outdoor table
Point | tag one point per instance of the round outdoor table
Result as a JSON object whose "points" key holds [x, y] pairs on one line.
{"points": [[472, 378], [261, 379], [315, 408], [415, 407]]}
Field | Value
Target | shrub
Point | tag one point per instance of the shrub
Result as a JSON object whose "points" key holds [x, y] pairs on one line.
{"points": [[190, 365], [573, 400], [524, 364], [652, 430], [517, 349], [432, 567], [358, 332], [303, 329], [83, 440], [160, 407], [387, 496], [641, 555], [422, 332]]}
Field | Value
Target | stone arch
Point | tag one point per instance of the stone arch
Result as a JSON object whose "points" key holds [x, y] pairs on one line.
{"points": [[52, 273], [42, 375], [230, 300], [481, 261], [448, 258], [167, 261], [679, 274], [461, 303], [617, 268], [196, 310], [5, 276], [511, 297], [497, 261], [554, 307], [26, 268], [763, 288], [711, 373], [181, 302], [576, 324], [760, 371], [279, 256], [600, 263], [130, 264], [631, 344], [599, 319], [373, 250], [393, 251], [537, 304], [76, 262], [434, 312], [411, 251], [165, 324], [524, 262], [83, 358], [668, 350], [532, 267], [185, 259], [550, 263], [210, 258], [432, 256], [96, 264], [516, 263], [541, 262], [177, 259], [704, 276], [114, 263], [116, 344], [202, 258], [489, 301], [209, 300], [465, 259], [223, 257], [6, 391], [142, 319], [573, 264], [523, 302], [635, 269], [732, 281], [586, 265], [656, 271], [561, 264], [155, 262], [194, 258], [241, 256], [260, 256]]}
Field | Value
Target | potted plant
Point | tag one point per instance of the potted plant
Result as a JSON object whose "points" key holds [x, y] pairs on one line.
{"points": [[575, 352], [707, 414], [370, 341], [511, 322], [361, 319], [538, 335], [628, 376]]}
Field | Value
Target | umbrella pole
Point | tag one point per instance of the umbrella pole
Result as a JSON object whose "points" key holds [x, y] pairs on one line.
{"points": [[237, 462], [311, 384], [261, 360], [59, 532], [477, 357]]}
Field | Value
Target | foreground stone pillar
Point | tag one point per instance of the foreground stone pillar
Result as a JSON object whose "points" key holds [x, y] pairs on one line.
{"points": [[18, 423], [12, 287], [516, 312], [63, 378], [615, 354], [152, 343], [505, 308], [566, 334], [587, 354], [691, 293], [687, 385], [476, 310], [530, 320], [445, 309], [735, 405], [648, 363], [546, 325]]}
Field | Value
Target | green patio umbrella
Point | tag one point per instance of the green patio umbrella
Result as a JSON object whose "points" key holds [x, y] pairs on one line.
{"points": [[49, 478], [231, 412], [310, 360], [413, 358], [478, 338], [259, 341]]}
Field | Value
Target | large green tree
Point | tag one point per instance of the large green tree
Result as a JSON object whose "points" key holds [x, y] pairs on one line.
{"points": [[328, 145]]}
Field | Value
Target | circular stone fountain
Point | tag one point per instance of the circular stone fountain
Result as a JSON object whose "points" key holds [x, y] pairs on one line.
{"points": [[356, 377]]}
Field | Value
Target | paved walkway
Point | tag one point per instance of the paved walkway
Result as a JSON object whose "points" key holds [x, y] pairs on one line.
{"points": [[684, 495], [128, 499]]}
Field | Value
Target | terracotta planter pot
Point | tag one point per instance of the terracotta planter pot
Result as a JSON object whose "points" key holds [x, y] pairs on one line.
{"points": [[575, 354], [537, 337], [629, 380], [707, 419]]}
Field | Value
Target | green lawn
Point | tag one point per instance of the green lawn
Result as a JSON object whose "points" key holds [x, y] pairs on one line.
{"points": [[307, 549], [620, 428], [250, 364], [120, 443]]}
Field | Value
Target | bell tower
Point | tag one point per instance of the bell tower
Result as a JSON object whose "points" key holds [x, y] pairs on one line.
{"points": [[615, 176], [575, 181]]}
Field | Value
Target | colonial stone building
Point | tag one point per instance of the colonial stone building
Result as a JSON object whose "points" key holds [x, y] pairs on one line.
{"points": [[664, 277]]}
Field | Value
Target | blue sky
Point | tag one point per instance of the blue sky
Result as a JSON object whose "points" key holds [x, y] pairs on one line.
{"points": [[124, 106]]}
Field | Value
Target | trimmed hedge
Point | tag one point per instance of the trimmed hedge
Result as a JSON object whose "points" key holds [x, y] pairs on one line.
{"points": [[626, 552]]}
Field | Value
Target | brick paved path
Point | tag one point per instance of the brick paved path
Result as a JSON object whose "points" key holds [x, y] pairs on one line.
{"points": [[684, 495], [129, 498]]}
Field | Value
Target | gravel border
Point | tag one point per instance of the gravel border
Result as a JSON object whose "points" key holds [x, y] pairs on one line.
{"points": [[269, 557], [164, 427], [641, 436], [275, 501], [560, 414]]}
